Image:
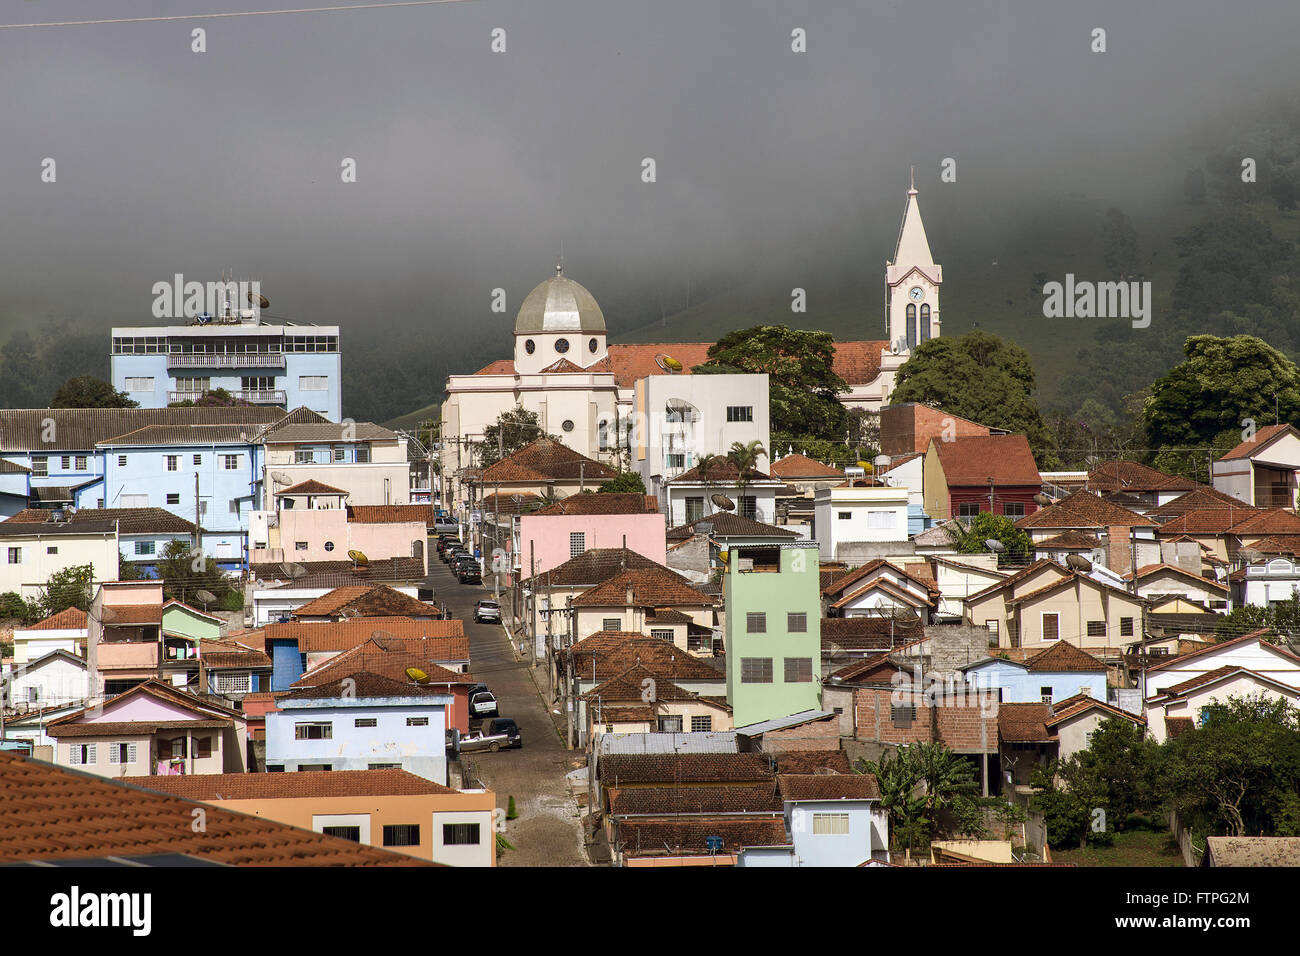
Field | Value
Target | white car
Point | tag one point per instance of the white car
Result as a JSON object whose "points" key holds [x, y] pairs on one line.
{"points": [[483, 704]]}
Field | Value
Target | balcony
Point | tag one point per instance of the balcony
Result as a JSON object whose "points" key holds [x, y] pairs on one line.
{"points": [[256, 396], [225, 360], [127, 655]]}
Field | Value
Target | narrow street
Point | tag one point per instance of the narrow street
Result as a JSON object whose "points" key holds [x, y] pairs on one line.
{"points": [[548, 831]]}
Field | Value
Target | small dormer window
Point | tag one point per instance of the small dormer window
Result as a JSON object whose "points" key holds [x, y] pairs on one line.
{"points": [[561, 345]]}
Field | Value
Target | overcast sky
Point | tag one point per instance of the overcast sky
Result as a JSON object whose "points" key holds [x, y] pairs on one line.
{"points": [[473, 167]]}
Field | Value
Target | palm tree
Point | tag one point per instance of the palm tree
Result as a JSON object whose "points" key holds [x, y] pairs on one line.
{"points": [[745, 457], [705, 464]]}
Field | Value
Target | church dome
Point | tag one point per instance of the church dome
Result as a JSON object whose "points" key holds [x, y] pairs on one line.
{"points": [[560, 305]]}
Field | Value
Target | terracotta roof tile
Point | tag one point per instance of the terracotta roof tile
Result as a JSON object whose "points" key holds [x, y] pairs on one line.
{"points": [[651, 587], [690, 835], [1263, 437], [617, 770], [311, 487], [812, 761], [389, 659], [281, 786], [720, 469], [801, 466], [50, 813], [1119, 475], [726, 524], [361, 685], [547, 459], [670, 801], [868, 633], [343, 635], [69, 619], [121, 615], [1024, 723], [1083, 509], [1068, 541], [1196, 500], [370, 600], [973, 459], [594, 566], [389, 514], [1064, 656], [828, 786], [629, 503]]}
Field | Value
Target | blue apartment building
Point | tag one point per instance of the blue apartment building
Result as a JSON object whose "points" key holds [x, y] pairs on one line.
{"points": [[289, 366]]}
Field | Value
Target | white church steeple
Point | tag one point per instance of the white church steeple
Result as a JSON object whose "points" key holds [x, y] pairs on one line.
{"points": [[912, 281]]}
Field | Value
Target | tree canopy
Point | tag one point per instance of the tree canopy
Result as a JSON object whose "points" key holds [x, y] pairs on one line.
{"points": [[980, 377], [986, 526], [626, 482], [87, 391], [510, 432], [70, 587]]}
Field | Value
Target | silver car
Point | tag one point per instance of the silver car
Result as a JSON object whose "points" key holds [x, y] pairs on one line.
{"points": [[488, 611]]}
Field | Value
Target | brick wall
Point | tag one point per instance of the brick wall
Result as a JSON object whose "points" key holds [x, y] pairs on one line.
{"points": [[956, 645], [817, 735], [907, 429], [961, 726]]}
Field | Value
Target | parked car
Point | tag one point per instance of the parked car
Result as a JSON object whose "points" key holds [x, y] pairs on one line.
{"points": [[445, 541], [477, 689], [488, 611], [469, 572], [499, 734], [483, 704]]}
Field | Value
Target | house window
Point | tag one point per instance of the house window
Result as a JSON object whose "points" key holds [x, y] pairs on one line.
{"points": [[611, 624], [882, 519], [173, 462], [303, 456], [663, 633], [66, 462], [701, 725], [755, 622], [417, 721], [363, 454], [1126, 627], [694, 509], [81, 463], [1045, 694], [1051, 627], [676, 461], [33, 695], [968, 509], [314, 731], [796, 622], [230, 462], [203, 747], [340, 454], [135, 501], [234, 683], [798, 670], [383, 766], [300, 546], [756, 670], [121, 753], [830, 824], [1013, 633], [121, 461], [992, 627], [699, 642], [1015, 510], [577, 543], [41, 466], [1096, 628], [140, 384], [740, 413], [313, 383], [844, 515], [145, 548], [81, 754], [902, 715], [15, 555], [460, 834], [234, 506], [669, 725], [747, 507], [198, 459], [343, 833], [173, 498], [365, 722], [402, 834], [51, 550]]}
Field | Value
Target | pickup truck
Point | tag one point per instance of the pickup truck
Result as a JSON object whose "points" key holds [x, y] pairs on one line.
{"points": [[499, 734]]}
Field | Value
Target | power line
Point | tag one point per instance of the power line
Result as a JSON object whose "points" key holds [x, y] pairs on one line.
{"points": [[239, 13]]}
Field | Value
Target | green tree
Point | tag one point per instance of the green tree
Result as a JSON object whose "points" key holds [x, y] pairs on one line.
{"points": [[185, 572], [627, 482], [217, 398], [1118, 766], [87, 391], [13, 607], [510, 432], [1212, 399], [986, 526], [897, 777], [70, 587], [745, 457], [1119, 244], [803, 389], [980, 377]]}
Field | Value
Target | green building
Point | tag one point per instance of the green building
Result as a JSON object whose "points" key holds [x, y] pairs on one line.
{"points": [[773, 631]]}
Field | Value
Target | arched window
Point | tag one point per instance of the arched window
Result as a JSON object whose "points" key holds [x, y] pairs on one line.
{"points": [[911, 325], [925, 322]]}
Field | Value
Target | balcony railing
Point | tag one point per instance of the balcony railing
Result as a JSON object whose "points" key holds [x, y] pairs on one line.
{"points": [[225, 360]]}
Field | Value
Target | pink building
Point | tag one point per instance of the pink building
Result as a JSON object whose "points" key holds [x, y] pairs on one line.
{"points": [[327, 534], [579, 523]]}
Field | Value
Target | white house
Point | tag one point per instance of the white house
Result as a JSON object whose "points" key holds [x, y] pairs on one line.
{"points": [[52, 680], [689, 496], [30, 553], [1250, 651], [856, 513], [1184, 705], [65, 631], [961, 576], [1268, 582], [1262, 471], [678, 418]]}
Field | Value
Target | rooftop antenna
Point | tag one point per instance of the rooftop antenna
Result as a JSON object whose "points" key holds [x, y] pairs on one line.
{"points": [[559, 263], [912, 188]]}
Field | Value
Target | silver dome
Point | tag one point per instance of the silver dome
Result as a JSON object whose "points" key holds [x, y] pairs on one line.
{"points": [[560, 305]]}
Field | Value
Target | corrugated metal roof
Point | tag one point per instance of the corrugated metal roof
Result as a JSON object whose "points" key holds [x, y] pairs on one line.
{"points": [[781, 723], [700, 742]]}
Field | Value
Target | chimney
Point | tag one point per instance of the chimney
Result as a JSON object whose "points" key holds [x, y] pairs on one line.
{"points": [[630, 596], [1119, 557]]}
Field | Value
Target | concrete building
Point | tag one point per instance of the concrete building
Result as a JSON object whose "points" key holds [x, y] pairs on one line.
{"points": [[365, 722], [275, 365], [1060, 672], [676, 419], [368, 462], [65, 631], [773, 631], [390, 809], [558, 532], [992, 473], [856, 513], [30, 553], [1262, 471], [55, 679]]}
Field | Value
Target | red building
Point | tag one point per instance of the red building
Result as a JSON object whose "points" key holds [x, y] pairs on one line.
{"points": [[968, 475]]}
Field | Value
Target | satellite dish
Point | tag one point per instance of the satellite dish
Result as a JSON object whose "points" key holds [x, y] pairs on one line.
{"points": [[261, 302], [293, 570], [1078, 562], [203, 318], [723, 502], [349, 612], [358, 557], [207, 597], [994, 545], [281, 478], [417, 675], [881, 461], [1250, 555], [668, 364], [1042, 500]]}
